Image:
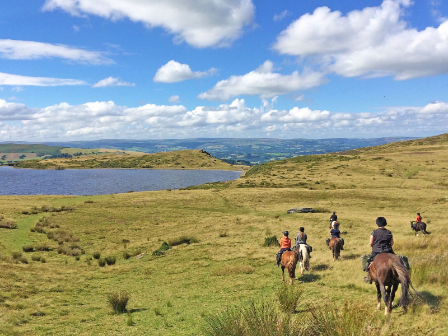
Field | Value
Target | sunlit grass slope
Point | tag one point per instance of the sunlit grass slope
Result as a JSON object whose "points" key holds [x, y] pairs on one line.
{"points": [[225, 264], [185, 159]]}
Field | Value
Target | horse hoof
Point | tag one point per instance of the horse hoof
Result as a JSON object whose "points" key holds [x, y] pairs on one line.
{"points": [[379, 306]]}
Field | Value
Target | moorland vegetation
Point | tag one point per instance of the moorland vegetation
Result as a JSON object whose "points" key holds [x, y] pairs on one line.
{"points": [[217, 278]]}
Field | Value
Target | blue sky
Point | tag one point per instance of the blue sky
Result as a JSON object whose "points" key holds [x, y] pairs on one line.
{"points": [[82, 69]]}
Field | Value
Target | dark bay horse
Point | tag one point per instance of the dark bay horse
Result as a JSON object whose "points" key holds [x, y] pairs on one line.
{"points": [[388, 271], [289, 261], [419, 226], [335, 247]]}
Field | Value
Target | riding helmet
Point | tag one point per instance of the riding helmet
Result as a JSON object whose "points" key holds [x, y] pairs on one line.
{"points": [[301, 229], [286, 233], [381, 221]]}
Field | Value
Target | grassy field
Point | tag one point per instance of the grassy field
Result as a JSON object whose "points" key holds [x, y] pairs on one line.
{"points": [[186, 159], [226, 264]]}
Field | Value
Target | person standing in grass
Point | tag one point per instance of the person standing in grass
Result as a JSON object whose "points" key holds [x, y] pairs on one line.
{"points": [[285, 245], [381, 241]]}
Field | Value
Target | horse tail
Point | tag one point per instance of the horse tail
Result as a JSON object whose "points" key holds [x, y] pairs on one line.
{"points": [[404, 278], [305, 256], [424, 229]]}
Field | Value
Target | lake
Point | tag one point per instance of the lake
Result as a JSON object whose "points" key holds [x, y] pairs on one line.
{"points": [[15, 181]]}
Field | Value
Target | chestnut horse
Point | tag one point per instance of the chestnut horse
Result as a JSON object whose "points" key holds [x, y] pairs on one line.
{"points": [[289, 261], [335, 247], [419, 226], [388, 271]]}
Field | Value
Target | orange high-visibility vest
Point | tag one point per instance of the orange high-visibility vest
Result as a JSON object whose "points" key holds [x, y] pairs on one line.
{"points": [[285, 242]]}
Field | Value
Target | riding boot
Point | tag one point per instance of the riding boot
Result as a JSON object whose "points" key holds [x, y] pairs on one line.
{"points": [[368, 279], [278, 258]]}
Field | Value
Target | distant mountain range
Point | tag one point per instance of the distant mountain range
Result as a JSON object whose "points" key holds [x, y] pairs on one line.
{"points": [[233, 150]]}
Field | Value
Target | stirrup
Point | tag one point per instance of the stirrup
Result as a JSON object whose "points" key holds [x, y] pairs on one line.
{"points": [[368, 279]]}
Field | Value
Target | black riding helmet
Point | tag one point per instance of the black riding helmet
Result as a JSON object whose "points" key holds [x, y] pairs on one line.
{"points": [[286, 233], [381, 221], [301, 229]]}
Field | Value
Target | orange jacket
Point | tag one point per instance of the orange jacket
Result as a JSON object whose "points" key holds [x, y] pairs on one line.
{"points": [[285, 242], [418, 219]]}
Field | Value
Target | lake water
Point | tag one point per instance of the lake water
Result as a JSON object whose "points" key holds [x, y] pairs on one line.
{"points": [[15, 181]]}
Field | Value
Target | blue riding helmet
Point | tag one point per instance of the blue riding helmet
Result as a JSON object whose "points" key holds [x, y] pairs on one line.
{"points": [[286, 233]]}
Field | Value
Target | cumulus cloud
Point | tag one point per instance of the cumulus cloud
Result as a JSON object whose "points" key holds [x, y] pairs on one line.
{"points": [[174, 71], [111, 81], [17, 80], [373, 42], [105, 119], [199, 23], [264, 83], [174, 99], [31, 50]]}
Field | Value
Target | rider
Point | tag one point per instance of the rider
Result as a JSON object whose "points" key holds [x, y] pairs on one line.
{"points": [[333, 217], [419, 218], [335, 233], [285, 245], [301, 238], [381, 241]]}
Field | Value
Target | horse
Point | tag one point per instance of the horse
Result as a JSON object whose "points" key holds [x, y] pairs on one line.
{"points": [[289, 261], [335, 247], [304, 257], [388, 270], [419, 226]]}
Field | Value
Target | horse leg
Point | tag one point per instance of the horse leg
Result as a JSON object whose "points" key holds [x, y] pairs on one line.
{"points": [[384, 293], [389, 300], [378, 294], [392, 295], [283, 273]]}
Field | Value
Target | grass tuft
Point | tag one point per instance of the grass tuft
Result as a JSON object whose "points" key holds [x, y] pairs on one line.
{"points": [[182, 240], [288, 297], [271, 241], [118, 301]]}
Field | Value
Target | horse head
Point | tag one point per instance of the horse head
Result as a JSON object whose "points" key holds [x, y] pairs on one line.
{"points": [[413, 225]]}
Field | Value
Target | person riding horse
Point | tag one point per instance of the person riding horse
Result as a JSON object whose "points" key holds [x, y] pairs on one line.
{"points": [[381, 241], [301, 239], [333, 217], [335, 233], [285, 245], [418, 219]]}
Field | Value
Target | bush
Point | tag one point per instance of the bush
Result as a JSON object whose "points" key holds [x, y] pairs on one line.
{"points": [[118, 301], [101, 262], [43, 247], [43, 261], [35, 258], [70, 250], [110, 260], [162, 249], [288, 297], [182, 240], [8, 224], [271, 241], [96, 255], [223, 234], [16, 255], [28, 248], [126, 255]]}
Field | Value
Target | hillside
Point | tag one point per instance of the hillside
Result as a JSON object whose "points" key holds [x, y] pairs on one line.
{"points": [[222, 262], [188, 159]]}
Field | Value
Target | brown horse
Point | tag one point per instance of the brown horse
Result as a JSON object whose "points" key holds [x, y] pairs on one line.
{"points": [[388, 271], [289, 261], [335, 247], [419, 226]]}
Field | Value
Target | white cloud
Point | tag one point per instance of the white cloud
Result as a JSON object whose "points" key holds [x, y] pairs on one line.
{"points": [[111, 81], [435, 11], [281, 16], [174, 99], [30, 50], [199, 23], [174, 71], [105, 119], [435, 108], [10, 79], [16, 89], [373, 42], [264, 83]]}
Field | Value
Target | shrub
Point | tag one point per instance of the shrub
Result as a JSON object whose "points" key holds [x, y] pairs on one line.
{"points": [[16, 255], [118, 301], [101, 262], [96, 255], [70, 250], [271, 241], [223, 234], [288, 297], [88, 201], [28, 248], [182, 240], [8, 224], [43, 247], [43, 261], [110, 260], [35, 258], [162, 249], [126, 255]]}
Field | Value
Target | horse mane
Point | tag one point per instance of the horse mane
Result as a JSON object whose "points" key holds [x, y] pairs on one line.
{"points": [[404, 278]]}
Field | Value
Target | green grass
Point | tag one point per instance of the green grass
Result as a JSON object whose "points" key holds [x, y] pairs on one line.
{"points": [[232, 270]]}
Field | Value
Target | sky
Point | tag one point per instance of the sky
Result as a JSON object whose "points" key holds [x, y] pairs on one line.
{"points": [[151, 69]]}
